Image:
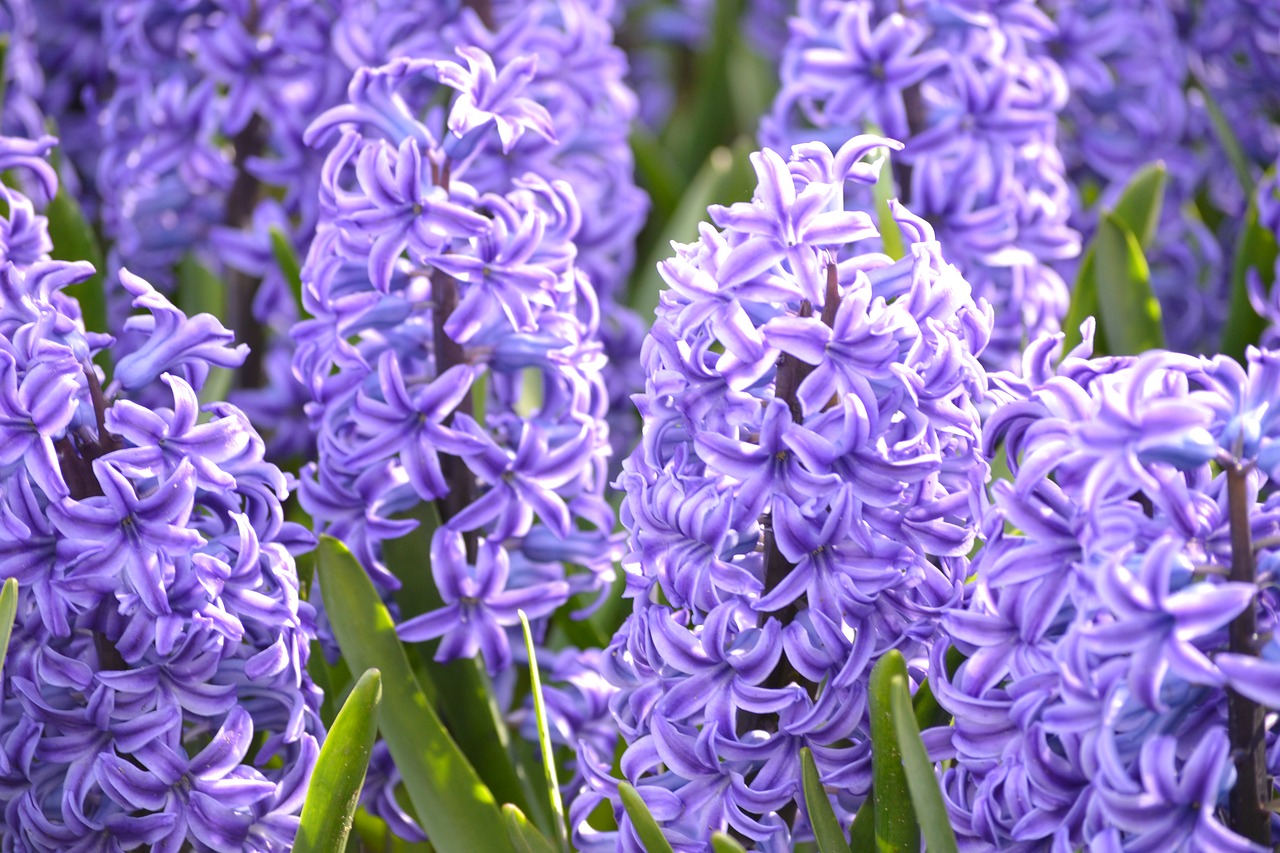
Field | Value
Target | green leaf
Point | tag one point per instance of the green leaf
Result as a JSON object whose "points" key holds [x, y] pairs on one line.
{"points": [[927, 710], [722, 842], [890, 233], [334, 791], [287, 260], [1139, 209], [1256, 250], [1226, 137], [525, 837], [709, 121], [726, 177], [926, 796], [895, 819], [862, 835], [74, 240], [458, 690], [544, 736], [1129, 311], [655, 172], [374, 836], [4, 67], [642, 821], [1084, 304], [454, 807], [1140, 203], [826, 827], [8, 611]]}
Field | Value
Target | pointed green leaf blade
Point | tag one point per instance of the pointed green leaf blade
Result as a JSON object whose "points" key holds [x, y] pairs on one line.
{"points": [[8, 611], [895, 821], [1129, 311], [454, 807], [287, 259], [1084, 304], [459, 690], [826, 827], [74, 240], [1140, 203], [726, 177], [645, 826], [722, 842], [334, 791], [544, 736], [1256, 252], [890, 233], [525, 837], [862, 835], [922, 782], [1226, 137]]}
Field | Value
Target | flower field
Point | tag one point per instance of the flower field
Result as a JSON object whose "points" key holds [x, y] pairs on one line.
{"points": [[682, 426]]}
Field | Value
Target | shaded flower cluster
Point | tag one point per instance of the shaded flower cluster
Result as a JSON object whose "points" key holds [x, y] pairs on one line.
{"points": [[1141, 75], [975, 96], [803, 500], [155, 688], [1108, 672]]}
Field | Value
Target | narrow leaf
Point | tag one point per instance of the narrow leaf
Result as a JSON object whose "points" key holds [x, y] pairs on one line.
{"points": [[1256, 250], [544, 736], [862, 835], [74, 240], [459, 690], [1129, 310], [722, 842], [287, 260], [525, 837], [1140, 203], [1226, 137], [890, 233], [645, 826], [1084, 304], [826, 827], [926, 796], [334, 791], [8, 611], [4, 67], [726, 177], [895, 819], [454, 807]]}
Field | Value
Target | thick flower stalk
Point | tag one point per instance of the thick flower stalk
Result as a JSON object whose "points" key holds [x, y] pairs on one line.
{"points": [[975, 97], [155, 689], [454, 359], [803, 501], [1121, 667]]}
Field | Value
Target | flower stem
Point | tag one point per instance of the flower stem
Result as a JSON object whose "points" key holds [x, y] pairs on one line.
{"points": [[449, 353], [1250, 816]]}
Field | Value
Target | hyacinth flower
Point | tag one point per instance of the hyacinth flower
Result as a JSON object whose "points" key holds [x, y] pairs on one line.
{"points": [[802, 501], [1118, 686], [454, 359], [155, 690], [975, 97], [567, 62]]}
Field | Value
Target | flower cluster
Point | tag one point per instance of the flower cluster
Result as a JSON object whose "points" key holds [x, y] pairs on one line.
{"points": [[1110, 696], [803, 500], [975, 98], [569, 65], [464, 342], [155, 688]]}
